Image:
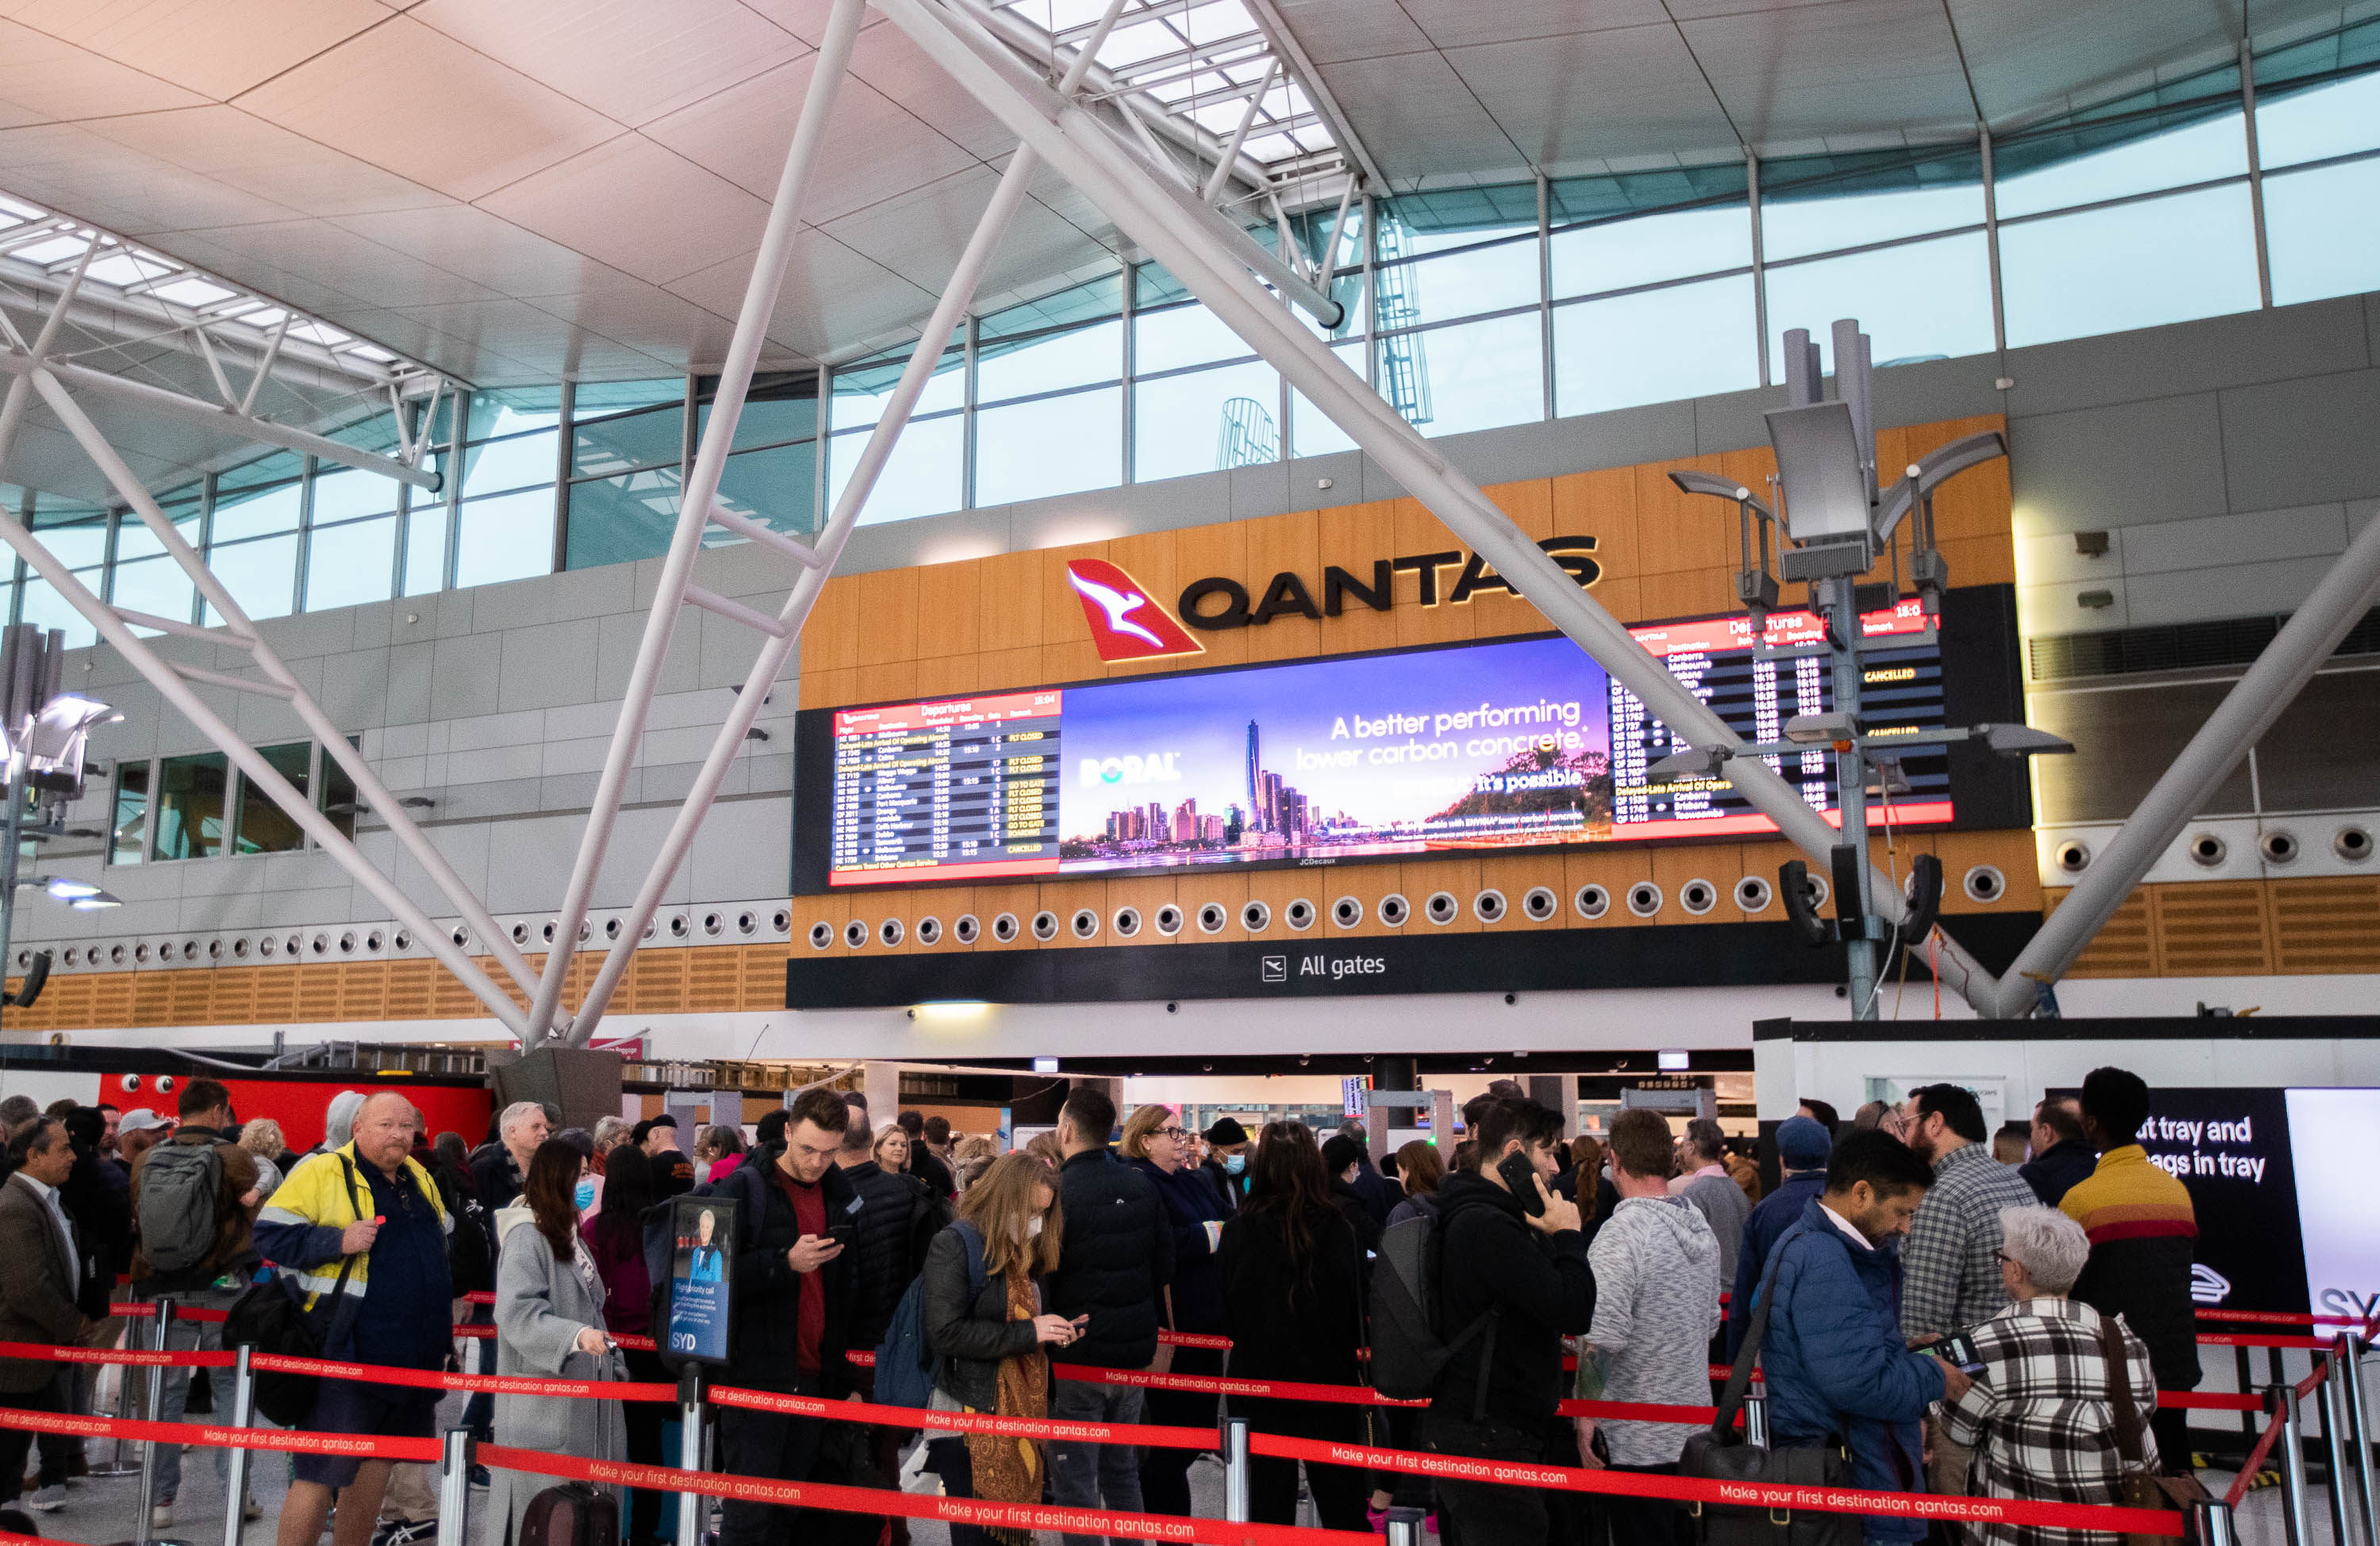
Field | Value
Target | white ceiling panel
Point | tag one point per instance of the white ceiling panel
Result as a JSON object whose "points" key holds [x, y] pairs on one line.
{"points": [[505, 340], [1332, 31], [1458, 23], [805, 19], [637, 206], [331, 256], [919, 235], [630, 60], [483, 248], [78, 172], [875, 151], [1841, 67], [413, 101], [832, 293], [885, 59], [1630, 92], [1416, 115], [245, 152], [217, 48], [638, 316], [44, 81]]}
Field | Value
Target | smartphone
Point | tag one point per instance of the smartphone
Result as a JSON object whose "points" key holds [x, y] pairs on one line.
{"points": [[1958, 1348], [843, 1234], [1520, 1173]]}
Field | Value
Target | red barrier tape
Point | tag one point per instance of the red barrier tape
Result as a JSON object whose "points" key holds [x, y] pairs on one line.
{"points": [[142, 1309], [1215, 1384], [2312, 1381], [2209, 1401], [1826, 1500], [837, 1498], [2258, 1339], [2278, 1318], [432, 1379], [369, 1446], [965, 1422], [2254, 1463], [140, 1357], [1637, 1411]]}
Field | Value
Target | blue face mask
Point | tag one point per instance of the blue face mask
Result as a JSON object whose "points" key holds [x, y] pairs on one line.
{"points": [[585, 1195], [1234, 1164]]}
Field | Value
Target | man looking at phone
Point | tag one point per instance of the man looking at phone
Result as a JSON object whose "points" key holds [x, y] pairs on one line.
{"points": [[1510, 1249], [794, 1279]]}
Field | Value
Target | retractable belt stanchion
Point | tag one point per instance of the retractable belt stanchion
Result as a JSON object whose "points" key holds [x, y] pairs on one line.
{"points": [[116, 1465], [2334, 1440], [156, 1412], [1755, 1418], [1405, 1526], [2358, 1433], [689, 1453], [2293, 1467], [2210, 1520], [1235, 1470], [455, 1462], [243, 1411]]}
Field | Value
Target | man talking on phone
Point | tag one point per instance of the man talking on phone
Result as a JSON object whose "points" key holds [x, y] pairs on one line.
{"points": [[791, 1327], [1512, 1251]]}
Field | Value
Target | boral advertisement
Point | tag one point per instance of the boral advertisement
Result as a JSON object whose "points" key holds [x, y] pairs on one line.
{"points": [[2287, 1218]]}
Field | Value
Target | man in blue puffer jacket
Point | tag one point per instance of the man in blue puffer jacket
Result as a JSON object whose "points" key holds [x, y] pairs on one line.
{"points": [[1832, 1356]]}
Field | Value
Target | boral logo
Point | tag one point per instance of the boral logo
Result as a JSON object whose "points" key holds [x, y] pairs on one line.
{"points": [[1157, 767], [1127, 624]]}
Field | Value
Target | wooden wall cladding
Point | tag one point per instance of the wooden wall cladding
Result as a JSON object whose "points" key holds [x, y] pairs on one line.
{"points": [[699, 979], [2318, 926], [1615, 866], [1009, 621]]}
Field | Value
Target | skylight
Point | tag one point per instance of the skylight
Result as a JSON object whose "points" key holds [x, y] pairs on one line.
{"points": [[1200, 62], [40, 250]]}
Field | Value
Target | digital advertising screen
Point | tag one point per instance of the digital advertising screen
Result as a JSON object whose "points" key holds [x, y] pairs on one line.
{"points": [[702, 1279], [1498, 744]]}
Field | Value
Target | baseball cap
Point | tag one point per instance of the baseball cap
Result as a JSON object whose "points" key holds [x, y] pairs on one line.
{"points": [[140, 1119]]}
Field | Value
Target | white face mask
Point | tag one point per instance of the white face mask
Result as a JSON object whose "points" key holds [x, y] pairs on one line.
{"points": [[1033, 1227]]}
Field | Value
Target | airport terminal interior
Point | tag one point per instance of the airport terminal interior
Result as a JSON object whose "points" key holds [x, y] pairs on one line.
{"points": [[1328, 562]]}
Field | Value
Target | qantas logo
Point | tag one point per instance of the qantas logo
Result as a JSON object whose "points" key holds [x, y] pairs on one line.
{"points": [[1126, 624]]}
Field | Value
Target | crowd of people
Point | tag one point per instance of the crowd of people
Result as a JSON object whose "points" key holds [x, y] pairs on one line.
{"points": [[1948, 1314]]}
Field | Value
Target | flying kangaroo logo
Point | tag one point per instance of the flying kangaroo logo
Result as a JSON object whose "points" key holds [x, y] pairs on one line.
{"points": [[1126, 624]]}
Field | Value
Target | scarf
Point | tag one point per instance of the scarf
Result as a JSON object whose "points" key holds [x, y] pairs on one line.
{"points": [[1013, 1469]]}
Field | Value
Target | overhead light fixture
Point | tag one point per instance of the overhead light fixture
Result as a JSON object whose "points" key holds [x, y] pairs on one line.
{"points": [[98, 902], [1694, 762], [1815, 730], [67, 889], [2022, 740]]}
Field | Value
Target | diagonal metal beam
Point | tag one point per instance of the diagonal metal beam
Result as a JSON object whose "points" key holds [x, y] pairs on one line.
{"points": [[167, 404], [1101, 168], [1014, 181], [162, 675], [2338, 602], [695, 511], [335, 745]]}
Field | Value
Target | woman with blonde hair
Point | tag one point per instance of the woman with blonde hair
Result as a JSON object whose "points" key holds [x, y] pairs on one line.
{"points": [[990, 1340], [892, 1151]]}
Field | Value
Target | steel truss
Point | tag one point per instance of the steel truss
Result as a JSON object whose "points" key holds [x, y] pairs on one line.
{"points": [[1104, 150]]}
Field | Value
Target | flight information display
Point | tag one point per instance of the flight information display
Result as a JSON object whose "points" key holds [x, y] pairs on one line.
{"points": [[1495, 745]]}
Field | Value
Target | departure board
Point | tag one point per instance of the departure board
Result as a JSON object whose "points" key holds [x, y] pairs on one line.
{"points": [[967, 787], [1756, 692], [1486, 745]]}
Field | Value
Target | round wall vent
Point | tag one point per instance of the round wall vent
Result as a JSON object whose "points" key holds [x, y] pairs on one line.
{"points": [[1212, 916], [1004, 927], [822, 934], [1127, 922], [1256, 917], [1045, 926], [1985, 883], [1699, 897], [1393, 909], [1084, 922], [965, 927], [1169, 919], [1347, 911], [929, 930], [1488, 906], [1298, 914], [2208, 850], [1753, 894], [2352, 844], [1591, 901], [1540, 903], [2073, 856], [854, 934], [2278, 847], [1644, 898]]}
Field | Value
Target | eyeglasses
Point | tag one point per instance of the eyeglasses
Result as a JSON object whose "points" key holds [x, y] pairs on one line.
{"points": [[1168, 1132]]}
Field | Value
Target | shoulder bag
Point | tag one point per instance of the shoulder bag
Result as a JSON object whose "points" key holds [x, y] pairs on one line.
{"points": [[270, 1317], [1722, 1455], [2140, 1487]]}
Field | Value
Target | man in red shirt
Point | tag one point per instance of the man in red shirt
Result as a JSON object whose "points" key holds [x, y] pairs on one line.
{"points": [[793, 1281]]}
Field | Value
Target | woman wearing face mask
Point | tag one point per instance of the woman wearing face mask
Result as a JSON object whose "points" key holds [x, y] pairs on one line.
{"points": [[550, 1300], [982, 1317], [1227, 1161]]}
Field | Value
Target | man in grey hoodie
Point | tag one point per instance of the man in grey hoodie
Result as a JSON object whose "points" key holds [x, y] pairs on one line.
{"points": [[1657, 1276]]}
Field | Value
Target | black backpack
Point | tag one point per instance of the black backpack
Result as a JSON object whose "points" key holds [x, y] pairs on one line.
{"points": [[470, 1242], [1409, 1351]]}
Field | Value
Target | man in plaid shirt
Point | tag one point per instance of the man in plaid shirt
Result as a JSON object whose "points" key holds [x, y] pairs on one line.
{"points": [[1951, 1274]]}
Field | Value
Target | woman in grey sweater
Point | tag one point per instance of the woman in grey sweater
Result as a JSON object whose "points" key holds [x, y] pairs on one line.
{"points": [[550, 1323]]}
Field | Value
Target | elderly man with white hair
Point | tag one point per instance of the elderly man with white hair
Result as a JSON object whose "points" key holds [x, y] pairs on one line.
{"points": [[2046, 1416]]}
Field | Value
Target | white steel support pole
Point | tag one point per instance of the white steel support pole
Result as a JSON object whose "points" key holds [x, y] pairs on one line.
{"points": [[1214, 189], [2312, 631], [1014, 181], [253, 766], [761, 293], [244, 631], [1097, 164], [20, 390]]}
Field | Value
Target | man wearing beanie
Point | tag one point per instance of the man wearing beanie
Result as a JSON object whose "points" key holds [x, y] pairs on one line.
{"points": [[1802, 1145], [1227, 1160]]}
